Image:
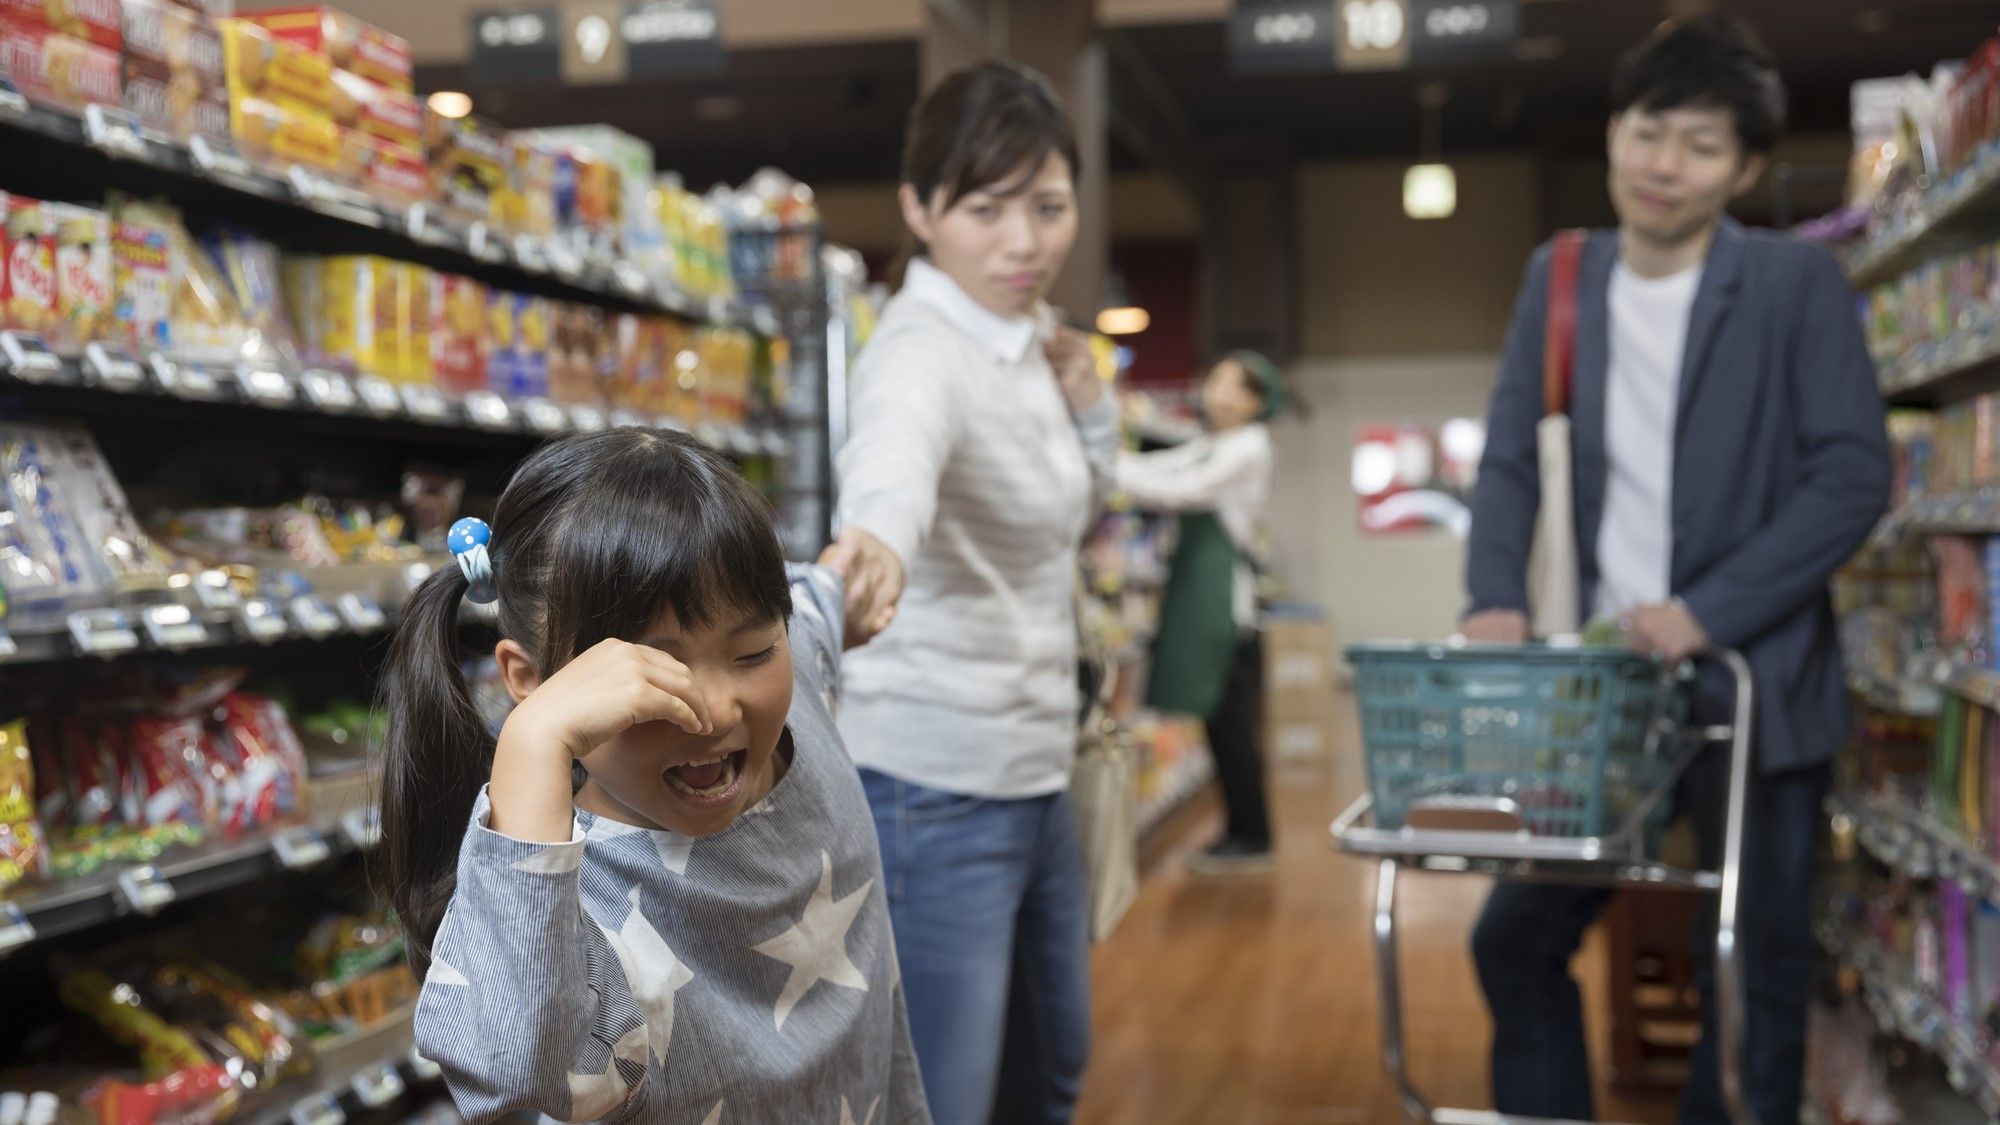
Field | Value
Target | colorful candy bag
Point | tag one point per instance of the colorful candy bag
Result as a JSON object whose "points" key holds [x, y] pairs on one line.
{"points": [[21, 850]]}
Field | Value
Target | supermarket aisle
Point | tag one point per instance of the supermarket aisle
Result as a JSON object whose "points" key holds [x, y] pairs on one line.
{"points": [[1252, 1001]]}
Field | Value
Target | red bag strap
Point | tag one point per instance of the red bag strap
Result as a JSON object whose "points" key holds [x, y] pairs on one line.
{"points": [[1559, 337]]}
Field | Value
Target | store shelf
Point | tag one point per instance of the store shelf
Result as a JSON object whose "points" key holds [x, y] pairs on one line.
{"points": [[336, 405], [1180, 787], [1904, 1010], [1959, 369], [1971, 512], [103, 149], [364, 1071], [38, 912], [1916, 845], [1978, 685], [1897, 695], [1956, 211]]}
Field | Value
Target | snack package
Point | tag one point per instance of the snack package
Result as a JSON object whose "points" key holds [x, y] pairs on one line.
{"points": [[45, 553], [175, 75], [273, 134], [272, 760], [166, 780], [500, 344], [21, 850], [28, 299], [390, 115], [383, 169], [575, 354], [357, 295], [124, 554], [348, 43], [305, 303], [414, 322], [251, 267], [528, 201], [57, 70], [614, 189], [206, 324], [93, 21], [263, 68], [468, 165], [458, 313], [83, 274], [534, 329]]}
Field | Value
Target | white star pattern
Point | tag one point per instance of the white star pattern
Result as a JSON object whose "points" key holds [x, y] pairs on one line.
{"points": [[653, 972], [816, 948], [593, 1095], [559, 859], [444, 976], [605, 828], [847, 1112], [715, 1117], [674, 851]]}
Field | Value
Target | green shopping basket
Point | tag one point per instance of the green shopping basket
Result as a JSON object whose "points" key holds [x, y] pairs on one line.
{"points": [[1571, 741]]}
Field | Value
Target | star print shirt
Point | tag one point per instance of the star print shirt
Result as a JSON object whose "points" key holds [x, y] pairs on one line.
{"points": [[636, 975]]}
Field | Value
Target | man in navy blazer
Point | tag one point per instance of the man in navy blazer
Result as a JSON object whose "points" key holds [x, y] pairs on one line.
{"points": [[1729, 455]]}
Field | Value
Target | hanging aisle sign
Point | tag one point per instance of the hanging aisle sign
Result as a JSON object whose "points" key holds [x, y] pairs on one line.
{"points": [[1278, 36], [596, 41]]}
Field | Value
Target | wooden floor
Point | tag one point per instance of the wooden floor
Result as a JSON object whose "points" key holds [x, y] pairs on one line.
{"points": [[1252, 1000]]}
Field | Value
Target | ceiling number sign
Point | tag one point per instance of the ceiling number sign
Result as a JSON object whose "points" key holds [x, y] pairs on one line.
{"points": [[1283, 29], [1281, 36], [1373, 35], [1457, 21]]}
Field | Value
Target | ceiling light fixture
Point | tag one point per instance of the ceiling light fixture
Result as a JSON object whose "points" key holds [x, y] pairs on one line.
{"points": [[450, 103], [1430, 188]]}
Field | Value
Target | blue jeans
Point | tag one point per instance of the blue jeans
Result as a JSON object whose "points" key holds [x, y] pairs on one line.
{"points": [[989, 906]]}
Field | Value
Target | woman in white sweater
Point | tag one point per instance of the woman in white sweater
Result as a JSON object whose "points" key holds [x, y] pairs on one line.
{"points": [[981, 446]]}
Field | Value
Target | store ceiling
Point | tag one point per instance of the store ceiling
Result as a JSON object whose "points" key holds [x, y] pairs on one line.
{"points": [[835, 113]]}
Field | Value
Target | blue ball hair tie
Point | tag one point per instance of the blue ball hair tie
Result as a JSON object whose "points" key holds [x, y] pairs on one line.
{"points": [[468, 539]]}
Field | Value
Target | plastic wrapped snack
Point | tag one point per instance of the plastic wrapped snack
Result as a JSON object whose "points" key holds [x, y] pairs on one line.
{"points": [[21, 848]]}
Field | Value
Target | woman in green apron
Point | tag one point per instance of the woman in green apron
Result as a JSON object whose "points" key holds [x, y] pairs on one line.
{"points": [[1208, 658]]}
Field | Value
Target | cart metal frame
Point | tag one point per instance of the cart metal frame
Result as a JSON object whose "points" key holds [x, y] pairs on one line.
{"points": [[1614, 860]]}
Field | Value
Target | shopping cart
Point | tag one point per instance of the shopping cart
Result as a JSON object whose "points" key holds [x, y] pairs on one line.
{"points": [[1542, 764]]}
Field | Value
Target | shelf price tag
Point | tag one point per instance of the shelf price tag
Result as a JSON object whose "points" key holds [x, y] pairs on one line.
{"points": [[173, 627], [531, 253], [29, 358], [630, 279], [362, 827], [12, 104], [113, 131], [378, 1085], [300, 848], [102, 632], [15, 929], [488, 411], [314, 617], [360, 612], [219, 163], [264, 386], [263, 620], [587, 419], [322, 1110], [144, 890], [7, 646], [426, 404], [111, 366], [185, 380], [626, 416], [423, 227], [379, 396], [329, 198], [328, 391], [565, 261], [481, 243], [544, 417]]}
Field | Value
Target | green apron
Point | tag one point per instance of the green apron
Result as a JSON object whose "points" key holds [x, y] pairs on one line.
{"points": [[1197, 641]]}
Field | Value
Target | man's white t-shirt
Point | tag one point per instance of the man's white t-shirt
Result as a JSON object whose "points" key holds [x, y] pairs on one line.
{"points": [[1649, 329]]}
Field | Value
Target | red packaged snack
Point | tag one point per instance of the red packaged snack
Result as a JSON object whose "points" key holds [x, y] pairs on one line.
{"points": [[94, 751], [171, 104], [95, 21], [271, 758], [168, 768], [458, 312], [388, 170], [366, 50], [56, 70]]}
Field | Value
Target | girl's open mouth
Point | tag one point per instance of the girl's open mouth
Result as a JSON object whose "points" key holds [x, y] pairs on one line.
{"points": [[709, 782]]}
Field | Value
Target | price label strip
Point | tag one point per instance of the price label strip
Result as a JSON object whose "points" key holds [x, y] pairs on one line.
{"points": [[314, 617], [630, 279], [426, 404], [328, 391], [587, 419], [329, 198], [219, 163], [531, 253], [423, 1069], [186, 380], [102, 632], [378, 1086], [173, 627], [29, 358], [488, 411], [322, 1110], [113, 131], [300, 848], [379, 396], [112, 367], [144, 891], [266, 387], [544, 417], [362, 827], [625, 416], [15, 929], [263, 620], [481, 244], [423, 227], [361, 613], [213, 591]]}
